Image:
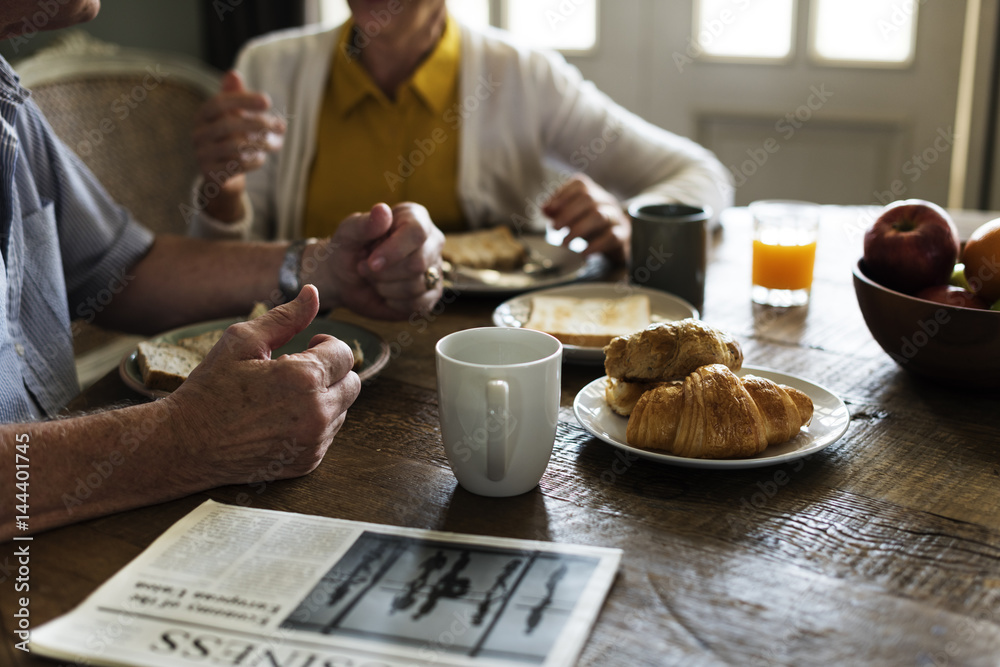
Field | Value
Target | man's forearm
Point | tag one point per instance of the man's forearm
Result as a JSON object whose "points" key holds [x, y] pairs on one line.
{"points": [[84, 467], [183, 280]]}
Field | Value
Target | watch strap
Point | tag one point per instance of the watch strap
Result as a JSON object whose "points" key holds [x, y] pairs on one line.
{"points": [[290, 274]]}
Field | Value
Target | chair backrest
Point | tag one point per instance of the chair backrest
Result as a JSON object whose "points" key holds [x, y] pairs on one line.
{"points": [[128, 114]]}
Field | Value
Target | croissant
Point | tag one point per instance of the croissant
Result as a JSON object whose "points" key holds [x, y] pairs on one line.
{"points": [[670, 350], [714, 414], [622, 396]]}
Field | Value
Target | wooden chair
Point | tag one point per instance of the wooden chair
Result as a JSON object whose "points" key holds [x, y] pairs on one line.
{"points": [[128, 114]]}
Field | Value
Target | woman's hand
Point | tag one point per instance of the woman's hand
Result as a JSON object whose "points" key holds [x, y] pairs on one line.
{"points": [[592, 213], [234, 132]]}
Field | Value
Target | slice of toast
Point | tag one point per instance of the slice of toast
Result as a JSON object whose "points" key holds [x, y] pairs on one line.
{"points": [[588, 322], [204, 342], [201, 343], [494, 248], [165, 366], [359, 355]]}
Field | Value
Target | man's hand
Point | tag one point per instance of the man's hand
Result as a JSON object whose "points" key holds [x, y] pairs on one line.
{"points": [[239, 413], [592, 213], [241, 410], [234, 132], [376, 263]]}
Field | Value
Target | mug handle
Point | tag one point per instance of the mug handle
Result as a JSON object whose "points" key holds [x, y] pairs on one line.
{"points": [[497, 414]]}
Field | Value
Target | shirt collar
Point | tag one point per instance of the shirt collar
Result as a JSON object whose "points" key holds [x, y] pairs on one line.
{"points": [[11, 89], [433, 81]]}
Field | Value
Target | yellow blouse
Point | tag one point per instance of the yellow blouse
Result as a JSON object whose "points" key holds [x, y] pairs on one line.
{"points": [[372, 149]]}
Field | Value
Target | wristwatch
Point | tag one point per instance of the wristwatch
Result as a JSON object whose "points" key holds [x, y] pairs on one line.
{"points": [[290, 274]]}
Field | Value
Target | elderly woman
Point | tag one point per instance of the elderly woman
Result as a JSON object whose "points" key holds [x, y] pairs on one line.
{"points": [[403, 102]]}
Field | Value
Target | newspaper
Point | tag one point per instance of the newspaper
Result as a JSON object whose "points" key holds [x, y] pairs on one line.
{"points": [[242, 587]]}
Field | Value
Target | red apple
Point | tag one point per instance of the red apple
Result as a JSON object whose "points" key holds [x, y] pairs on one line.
{"points": [[952, 296], [912, 245]]}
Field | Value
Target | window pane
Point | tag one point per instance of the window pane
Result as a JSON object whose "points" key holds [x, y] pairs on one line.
{"points": [[554, 24], [864, 30], [333, 12], [745, 28], [475, 13]]}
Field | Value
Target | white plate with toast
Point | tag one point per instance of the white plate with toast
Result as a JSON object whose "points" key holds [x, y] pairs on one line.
{"points": [[374, 349], [547, 265], [829, 422], [663, 307]]}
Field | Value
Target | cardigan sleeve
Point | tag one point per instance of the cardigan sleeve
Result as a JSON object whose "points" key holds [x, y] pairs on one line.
{"points": [[586, 130], [204, 226]]}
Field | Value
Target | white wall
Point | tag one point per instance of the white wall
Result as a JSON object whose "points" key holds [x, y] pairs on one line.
{"points": [[162, 25]]}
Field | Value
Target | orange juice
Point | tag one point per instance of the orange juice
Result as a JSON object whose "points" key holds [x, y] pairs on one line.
{"points": [[788, 267]]}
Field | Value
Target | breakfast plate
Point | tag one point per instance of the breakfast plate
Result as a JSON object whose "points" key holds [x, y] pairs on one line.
{"points": [[829, 422], [663, 307], [548, 265], [373, 347]]}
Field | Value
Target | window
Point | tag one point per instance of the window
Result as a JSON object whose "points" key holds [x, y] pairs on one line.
{"points": [[879, 33], [472, 12], [744, 29], [333, 12], [864, 31], [566, 25]]}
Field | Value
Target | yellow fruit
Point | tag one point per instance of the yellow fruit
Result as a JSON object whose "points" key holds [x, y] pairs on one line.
{"points": [[982, 261], [958, 277]]}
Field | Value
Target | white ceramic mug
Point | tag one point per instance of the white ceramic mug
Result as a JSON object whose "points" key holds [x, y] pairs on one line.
{"points": [[498, 398]]}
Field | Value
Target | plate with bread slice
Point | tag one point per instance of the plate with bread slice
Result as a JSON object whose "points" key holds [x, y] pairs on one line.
{"points": [[495, 261], [161, 364], [585, 317], [679, 393]]}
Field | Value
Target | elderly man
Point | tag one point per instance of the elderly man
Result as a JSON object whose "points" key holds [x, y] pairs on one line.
{"points": [[63, 241]]}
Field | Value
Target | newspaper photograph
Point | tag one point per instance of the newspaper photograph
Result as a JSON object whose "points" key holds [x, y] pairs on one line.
{"points": [[260, 588]]}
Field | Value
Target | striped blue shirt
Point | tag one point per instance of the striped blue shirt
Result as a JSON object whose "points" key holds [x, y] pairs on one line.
{"points": [[65, 251]]}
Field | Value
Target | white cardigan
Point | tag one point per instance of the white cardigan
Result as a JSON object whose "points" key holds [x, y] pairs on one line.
{"points": [[527, 120]]}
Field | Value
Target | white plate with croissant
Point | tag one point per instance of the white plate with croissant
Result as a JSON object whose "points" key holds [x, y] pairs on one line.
{"points": [[828, 422]]}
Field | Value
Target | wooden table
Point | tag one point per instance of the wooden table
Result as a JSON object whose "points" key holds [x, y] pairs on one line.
{"points": [[882, 549]]}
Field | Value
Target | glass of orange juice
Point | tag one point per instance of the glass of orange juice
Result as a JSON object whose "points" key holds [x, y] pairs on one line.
{"points": [[784, 251]]}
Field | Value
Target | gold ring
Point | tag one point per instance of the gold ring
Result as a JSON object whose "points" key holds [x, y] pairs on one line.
{"points": [[432, 277]]}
